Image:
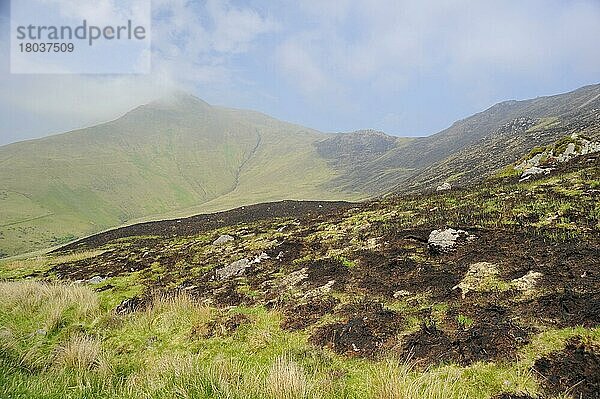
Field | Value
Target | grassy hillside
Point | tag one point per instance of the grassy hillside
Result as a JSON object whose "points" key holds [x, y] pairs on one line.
{"points": [[158, 158], [181, 156], [473, 148], [321, 300]]}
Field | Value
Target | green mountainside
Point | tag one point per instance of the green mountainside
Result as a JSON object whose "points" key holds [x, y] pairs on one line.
{"points": [[157, 158], [181, 156], [484, 292]]}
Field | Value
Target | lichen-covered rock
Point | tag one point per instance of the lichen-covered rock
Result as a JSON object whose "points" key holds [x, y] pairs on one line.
{"points": [[225, 238], [528, 282], [401, 294], [478, 275], [294, 278], [96, 280], [444, 187], [261, 257], [446, 239], [527, 173], [233, 269]]}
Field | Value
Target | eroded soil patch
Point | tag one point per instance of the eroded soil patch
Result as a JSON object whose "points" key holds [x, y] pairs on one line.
{"points": [[574, 370], [367, 328]]}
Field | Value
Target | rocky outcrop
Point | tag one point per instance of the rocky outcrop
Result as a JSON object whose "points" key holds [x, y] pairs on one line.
{"points": [[541, 159], [233, 269], [225, 238], [445, 240]]}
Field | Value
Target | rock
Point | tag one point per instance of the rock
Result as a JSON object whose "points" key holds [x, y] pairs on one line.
{"points": [[527, 173], [590, 147], [569, 153], [41, 331], [444, 187], [294, 278], [225, 238], [528, 282], [446, 239], [233, 269], [477, 274], [96, 280], [261, 257], [319, 291], [401, 293]]}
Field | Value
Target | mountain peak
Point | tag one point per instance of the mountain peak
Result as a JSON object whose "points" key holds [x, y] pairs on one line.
{"points": [[179, 99]]}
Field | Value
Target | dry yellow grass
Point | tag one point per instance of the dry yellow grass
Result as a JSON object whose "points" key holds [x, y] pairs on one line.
{"points": [[79, 353], [33, 262], [286, 380], [393, 380], [50, 299]]}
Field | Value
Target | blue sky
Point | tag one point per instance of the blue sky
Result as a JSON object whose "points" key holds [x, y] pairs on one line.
{"points": [[409, 68]]}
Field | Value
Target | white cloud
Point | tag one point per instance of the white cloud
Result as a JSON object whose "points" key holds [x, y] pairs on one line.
{"points": [[296, 60], [387, 43], [101, 12], [342, 55], [192, 45]]}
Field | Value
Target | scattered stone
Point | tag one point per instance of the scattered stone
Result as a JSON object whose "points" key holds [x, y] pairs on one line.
{"points": [[225, 238], [233, 269], [261, 257], [444, 187], [295, 277], [96, 280], [373, 243], [446, 239], [533, 171], [569, 153], [528, 282], [401, 294], [41, 331], [320, 291], [476, 276]]}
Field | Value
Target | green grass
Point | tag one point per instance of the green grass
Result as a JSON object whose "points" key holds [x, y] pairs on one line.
{"points": [[152, 164], [56, 341]]}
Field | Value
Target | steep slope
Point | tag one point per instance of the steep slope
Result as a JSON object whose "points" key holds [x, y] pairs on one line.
{"points": [[362, 159], [475, 147], [181, 156], [169, 155]]}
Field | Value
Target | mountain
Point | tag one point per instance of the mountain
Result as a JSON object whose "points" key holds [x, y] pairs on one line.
{"points": [[474, 148], [172, 154], [486, 292], [182, 156]]}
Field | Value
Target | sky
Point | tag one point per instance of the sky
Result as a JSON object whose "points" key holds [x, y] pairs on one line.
{"points": [[409, 68]]}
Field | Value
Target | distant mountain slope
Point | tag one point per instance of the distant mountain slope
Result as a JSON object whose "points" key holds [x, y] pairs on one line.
{"points": [[522, 125], [181, 156], [168, 155], [474, 147]]}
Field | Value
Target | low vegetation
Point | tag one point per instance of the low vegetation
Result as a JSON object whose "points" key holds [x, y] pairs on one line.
{"points": [[335, 301], [57, 342]]}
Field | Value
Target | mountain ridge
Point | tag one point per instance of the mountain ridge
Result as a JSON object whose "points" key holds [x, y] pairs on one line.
{"points": [[181, 156]]}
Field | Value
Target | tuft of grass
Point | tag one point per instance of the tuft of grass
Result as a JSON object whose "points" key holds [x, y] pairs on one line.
{"points": [[79, 353], [286, 380]]}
